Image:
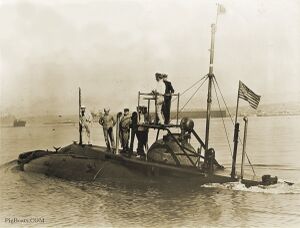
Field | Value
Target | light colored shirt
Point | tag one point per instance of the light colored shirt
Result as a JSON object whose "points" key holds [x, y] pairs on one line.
{"points": [[107, 121], [160, 87], [86, 118]]}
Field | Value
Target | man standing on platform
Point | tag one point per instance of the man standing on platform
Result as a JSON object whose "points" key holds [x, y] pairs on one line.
{"points": [[133, 126], [85, 121], [166, 108], [108, 122], [125, 130], [159, 94], [142, 131]]}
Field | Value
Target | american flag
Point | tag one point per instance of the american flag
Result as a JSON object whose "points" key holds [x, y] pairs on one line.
{"points": [[248, 95]]}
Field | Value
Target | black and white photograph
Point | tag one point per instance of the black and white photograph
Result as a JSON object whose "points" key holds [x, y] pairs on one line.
{"points": [[149, 113]]}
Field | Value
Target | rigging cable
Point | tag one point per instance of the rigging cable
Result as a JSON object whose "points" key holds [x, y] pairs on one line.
{"points": [[223, 99], [194, 84], [193, 94], [222, 119], [233, 123], [174, 99]]}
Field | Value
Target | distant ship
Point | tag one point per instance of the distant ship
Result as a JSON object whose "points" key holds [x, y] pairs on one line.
{"points": [[19, 123]]}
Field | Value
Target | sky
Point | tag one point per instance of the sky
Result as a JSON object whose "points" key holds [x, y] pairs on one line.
{"points": [[112, 49]]}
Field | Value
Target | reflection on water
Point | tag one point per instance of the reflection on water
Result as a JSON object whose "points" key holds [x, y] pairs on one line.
{"points": [[119, 203]]}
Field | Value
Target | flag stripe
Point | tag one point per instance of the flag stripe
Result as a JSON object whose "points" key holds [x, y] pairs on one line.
{"points": [[250, 101], [249, 91], [253, 104], [255, 99], [248, 95], [250, 98]]}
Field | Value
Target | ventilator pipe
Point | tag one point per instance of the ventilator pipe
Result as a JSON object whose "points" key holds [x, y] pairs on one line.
{"points": [[118, 131], [236, 140]]}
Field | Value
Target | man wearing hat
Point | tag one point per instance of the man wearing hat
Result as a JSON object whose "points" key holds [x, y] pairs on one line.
{"points": [[85, 120], [125, 130], [166, 107], [108, 122]]}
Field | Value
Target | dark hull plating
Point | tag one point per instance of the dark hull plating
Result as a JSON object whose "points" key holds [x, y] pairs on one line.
{"points": [[93, 163]]}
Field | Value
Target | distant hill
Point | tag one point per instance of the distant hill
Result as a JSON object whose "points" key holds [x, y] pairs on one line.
{"points": [[269, 109], [263, 110]]}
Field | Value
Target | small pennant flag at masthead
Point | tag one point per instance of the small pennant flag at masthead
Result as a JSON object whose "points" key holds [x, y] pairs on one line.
{"points": [[248, 95], [221, 9]]}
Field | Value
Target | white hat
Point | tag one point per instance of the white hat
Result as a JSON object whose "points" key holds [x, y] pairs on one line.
{"points": [[82, 107]]}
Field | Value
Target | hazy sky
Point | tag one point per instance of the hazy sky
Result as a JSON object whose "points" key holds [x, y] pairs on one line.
{"points": [[112, 49]]}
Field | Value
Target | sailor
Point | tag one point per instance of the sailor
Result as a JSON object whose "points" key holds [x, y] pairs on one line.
{"points": [[166, 107], [133, 126], [100, 114], [159, 93], [85, 121], [124, 131], [142, 131], [108, 122]]}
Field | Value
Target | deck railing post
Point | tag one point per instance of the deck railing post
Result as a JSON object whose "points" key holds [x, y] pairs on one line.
{"points": [[138, 107], [177, 115], [80, 127], [244, 146]]}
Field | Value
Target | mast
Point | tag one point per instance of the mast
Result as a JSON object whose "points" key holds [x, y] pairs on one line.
{"points": [[209, 100]]}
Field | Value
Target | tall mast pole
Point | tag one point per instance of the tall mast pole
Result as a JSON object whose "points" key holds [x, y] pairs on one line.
{"points": [[210, 78]]}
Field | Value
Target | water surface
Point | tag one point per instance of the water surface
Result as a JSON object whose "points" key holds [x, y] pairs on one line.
{"points": [[273, 148]]}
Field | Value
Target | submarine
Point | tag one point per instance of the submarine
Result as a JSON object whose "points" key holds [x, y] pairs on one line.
{"points": [[170, 158]]}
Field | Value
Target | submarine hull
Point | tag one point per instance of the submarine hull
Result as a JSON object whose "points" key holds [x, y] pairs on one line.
{"points": [[91, 163], [94, 163]]}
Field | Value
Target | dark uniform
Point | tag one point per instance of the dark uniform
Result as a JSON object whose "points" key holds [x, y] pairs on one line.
{"points": [[133, 126], [167, 101], [142, 132]]}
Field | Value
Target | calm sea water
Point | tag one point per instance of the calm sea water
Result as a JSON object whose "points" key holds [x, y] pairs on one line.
{"points": [[273, 147]]}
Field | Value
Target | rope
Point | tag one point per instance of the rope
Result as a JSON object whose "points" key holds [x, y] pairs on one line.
{"points": [[233, 125], [181, 94], [194, 84], [223, 100], [193, 95], [222, 119]]}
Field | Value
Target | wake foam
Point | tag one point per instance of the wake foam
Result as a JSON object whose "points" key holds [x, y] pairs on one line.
{"points": [[280, 188]]}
